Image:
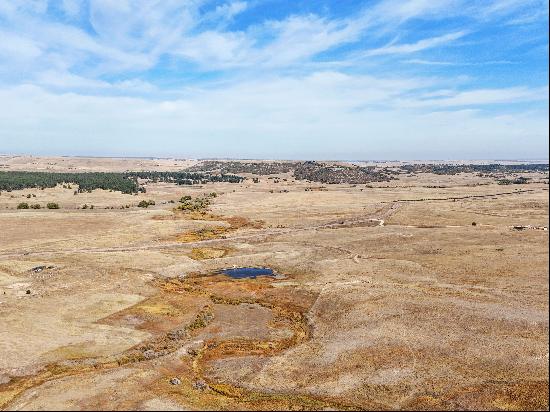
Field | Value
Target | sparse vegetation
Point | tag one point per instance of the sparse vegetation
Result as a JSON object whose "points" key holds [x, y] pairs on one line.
{"points": [[203, 253], [365, 311], [146, 203], [197, 204], [23, 205], [518, 181], [52, 205]]}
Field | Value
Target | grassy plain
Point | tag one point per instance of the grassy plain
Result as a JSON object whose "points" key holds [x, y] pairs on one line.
{"points": [[386, 303]]}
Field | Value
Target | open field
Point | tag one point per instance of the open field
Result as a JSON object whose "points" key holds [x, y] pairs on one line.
{"points": [[422, 292]]}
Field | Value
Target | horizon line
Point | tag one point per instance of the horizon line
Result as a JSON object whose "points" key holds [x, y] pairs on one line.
{"points": [[275, 159]]}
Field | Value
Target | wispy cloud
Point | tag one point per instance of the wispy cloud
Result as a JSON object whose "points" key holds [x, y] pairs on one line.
{"points": [[319, 116], [243, 68], [459, 63], [415, 47], [479, 97]]}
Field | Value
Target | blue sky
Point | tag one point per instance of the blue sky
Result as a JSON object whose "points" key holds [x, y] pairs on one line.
{"points": [[317, 79]]}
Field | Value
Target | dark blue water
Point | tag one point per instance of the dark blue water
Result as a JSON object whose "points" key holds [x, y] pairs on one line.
{"points": [[241, 273]]}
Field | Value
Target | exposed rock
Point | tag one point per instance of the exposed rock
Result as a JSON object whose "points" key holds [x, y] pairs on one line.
{"points": [[200, 385], [525, 227], [177, 334]]}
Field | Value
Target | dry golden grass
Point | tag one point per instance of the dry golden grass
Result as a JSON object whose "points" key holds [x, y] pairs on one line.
{"points": [[207, 233], [202, 253], [418, 310]]}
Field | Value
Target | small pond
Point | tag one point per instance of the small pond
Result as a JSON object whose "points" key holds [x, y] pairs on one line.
{"points": [[241, 273]]}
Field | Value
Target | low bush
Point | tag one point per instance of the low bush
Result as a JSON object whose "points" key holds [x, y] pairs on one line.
{"points": [[146, 203]]}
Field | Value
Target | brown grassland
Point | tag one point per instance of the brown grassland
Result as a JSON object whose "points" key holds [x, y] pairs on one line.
{"points": [[384, 303]]}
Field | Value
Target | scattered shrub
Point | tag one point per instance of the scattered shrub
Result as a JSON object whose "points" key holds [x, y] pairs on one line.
{"points": [[23, 205], [196, 204], [146, 203], [52, 205]]}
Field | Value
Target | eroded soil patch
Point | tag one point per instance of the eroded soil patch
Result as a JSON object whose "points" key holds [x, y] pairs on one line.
{"points": [[232, 224], [203, 253], [194, 323]]}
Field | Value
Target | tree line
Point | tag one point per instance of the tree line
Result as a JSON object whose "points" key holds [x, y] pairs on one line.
{"points": [[450, 169], [126, 182], [185, 178]]}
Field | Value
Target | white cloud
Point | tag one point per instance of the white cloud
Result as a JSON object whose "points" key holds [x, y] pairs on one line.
{"points": [[97, 80], [295, 39], [226, 12], [17, 47], [63, 80], [133, 35], [288, 117], [142, 25], [415, 47], [71, 8], [481, 97], [459, 63], [406, 10]]}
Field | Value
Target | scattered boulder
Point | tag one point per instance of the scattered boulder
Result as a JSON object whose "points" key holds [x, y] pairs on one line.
{"points": [[177, 334], [175, 381], [200, 385], [38, 269]]}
